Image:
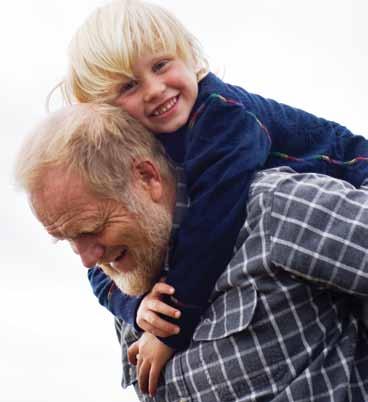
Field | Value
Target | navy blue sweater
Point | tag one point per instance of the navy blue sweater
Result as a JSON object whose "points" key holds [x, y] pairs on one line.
{"points": [[230, 135]]}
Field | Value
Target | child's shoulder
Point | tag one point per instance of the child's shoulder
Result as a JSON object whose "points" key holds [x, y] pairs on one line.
{"points": [[213, 90], [214, 106], [212, 84]]}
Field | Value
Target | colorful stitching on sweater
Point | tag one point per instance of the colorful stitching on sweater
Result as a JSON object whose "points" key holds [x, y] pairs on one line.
{"points": [[196, 114], [320, 157]]}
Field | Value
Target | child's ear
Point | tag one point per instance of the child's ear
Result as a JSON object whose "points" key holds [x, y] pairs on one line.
{"points": [[147, 176]]}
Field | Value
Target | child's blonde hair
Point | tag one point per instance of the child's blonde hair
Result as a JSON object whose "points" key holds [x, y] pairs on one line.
{"points": [[106, 46]]}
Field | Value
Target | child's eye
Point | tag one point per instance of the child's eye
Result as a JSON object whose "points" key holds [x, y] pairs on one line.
{"points": [[128, 86], [159, 65]]}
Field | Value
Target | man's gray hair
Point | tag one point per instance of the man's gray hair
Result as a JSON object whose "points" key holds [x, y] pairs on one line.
{"points": [[100, 142]]}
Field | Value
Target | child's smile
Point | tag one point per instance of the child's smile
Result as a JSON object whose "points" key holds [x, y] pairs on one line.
{"points": [[166, 107], [163, 93]]}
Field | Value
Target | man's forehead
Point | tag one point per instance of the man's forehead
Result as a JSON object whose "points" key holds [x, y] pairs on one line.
{"points": [[63, 179], [54, 188], [62, 198]]}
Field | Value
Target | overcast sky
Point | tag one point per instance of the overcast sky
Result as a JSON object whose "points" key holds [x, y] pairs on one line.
{"points": [[56, 343]]}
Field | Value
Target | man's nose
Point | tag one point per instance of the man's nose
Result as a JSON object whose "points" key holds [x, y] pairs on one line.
{"points": [[90, 252], [154, 88]]}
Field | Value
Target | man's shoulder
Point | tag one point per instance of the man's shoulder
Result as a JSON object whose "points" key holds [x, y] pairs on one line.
{"points": [[267, 181]]}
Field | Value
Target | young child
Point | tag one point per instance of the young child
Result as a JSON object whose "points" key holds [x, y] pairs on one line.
{"points": [[138, 56]]}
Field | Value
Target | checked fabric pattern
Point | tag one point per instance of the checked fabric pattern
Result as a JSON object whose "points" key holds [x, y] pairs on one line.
{"points": [[284, 323]]}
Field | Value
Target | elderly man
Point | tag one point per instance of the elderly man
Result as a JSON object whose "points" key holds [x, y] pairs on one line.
{"points": [[283, 322]]}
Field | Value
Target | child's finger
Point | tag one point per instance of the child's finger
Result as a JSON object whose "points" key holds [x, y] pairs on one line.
{"points": [[154, 376], [143, 376], [132, 353], [162, 288], [163, 333], [158, 326], [159, 306]]}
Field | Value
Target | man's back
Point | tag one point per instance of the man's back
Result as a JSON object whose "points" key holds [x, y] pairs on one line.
{"points": [[283, 324]]}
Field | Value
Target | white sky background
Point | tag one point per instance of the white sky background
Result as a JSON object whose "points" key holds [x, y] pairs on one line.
{"points": [[56, 343]]}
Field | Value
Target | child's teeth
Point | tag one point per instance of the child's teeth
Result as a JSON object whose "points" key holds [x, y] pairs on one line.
{"points": [[165, 108]]}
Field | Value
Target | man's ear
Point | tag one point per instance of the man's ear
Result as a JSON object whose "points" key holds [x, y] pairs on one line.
{"points": [[148, 177]]}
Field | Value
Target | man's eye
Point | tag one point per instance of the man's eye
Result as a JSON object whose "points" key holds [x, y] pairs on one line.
{"points": [[159, 65], [86, 234], [128, 86]]}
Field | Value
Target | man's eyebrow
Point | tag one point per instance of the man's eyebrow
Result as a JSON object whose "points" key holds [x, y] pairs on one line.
{"points": [[58, 235], [88, 227], [71, 229]]}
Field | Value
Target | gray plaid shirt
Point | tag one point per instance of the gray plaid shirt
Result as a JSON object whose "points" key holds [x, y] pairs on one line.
{"points": [[284, 323]]}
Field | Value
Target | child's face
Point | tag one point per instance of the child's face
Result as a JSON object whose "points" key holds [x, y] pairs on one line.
{"points": [[162, 94]]}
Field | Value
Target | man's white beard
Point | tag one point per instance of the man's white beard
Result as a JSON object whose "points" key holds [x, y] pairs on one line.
{"points": [[154, 222]]}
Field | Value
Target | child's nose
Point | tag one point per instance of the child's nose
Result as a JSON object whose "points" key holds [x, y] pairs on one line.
{"points": [[154, 89]]}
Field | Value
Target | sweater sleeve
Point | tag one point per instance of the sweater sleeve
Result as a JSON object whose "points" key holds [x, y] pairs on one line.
{"points": [[225, 145], [308, 143], [352, 150], [111, 297]]}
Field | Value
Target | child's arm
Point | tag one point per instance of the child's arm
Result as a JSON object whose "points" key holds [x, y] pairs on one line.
{"points": [[308, 143], [119, 304], [148, 314], [142, 312], [353, 151], [224, 147], [150, 356]]}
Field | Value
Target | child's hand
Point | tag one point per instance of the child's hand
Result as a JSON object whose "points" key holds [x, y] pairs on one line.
{"points": [[150, 356], [147, 314]]}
